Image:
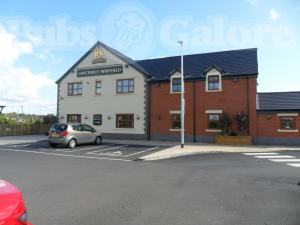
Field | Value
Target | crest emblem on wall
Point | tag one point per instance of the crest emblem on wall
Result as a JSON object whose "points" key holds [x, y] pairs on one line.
{"points": [[99, 56]]}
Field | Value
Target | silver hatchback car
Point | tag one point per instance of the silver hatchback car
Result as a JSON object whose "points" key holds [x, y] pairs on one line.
{"points": [[72, 134]]}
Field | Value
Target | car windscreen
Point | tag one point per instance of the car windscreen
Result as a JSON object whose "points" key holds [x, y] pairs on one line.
{"points": [[59, 127]]}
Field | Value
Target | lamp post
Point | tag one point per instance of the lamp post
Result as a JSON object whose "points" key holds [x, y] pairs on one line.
{"points": [[182, 96]]}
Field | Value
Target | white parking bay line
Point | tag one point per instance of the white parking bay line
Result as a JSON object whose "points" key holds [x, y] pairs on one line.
{"points": [[106, 149], [294, 164], [261, 153], [63, 155], [274, 156], [141, 151], [285, 160]]}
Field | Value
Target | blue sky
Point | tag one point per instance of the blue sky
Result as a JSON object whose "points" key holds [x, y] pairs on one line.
{"points": [[40, 40]]}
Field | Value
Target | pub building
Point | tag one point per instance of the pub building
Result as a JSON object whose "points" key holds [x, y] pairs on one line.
{"points": [[140, 99]]}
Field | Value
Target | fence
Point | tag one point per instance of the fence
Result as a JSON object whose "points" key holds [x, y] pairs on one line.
{"points": [[9, 130]]}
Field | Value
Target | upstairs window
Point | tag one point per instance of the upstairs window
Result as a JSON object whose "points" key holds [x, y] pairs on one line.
{"points": [[98, 88], [74, 89], [125, 86], [176, 85], [213, 83], [287, 123]]}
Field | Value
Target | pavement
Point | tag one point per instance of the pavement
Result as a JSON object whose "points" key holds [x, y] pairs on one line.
{"points": [[64, 188]]}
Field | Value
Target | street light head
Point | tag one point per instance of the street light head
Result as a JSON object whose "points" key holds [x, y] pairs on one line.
{"points": [[180, 42]]}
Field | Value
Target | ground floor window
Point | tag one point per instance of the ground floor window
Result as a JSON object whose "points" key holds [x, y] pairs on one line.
{"points": [[97, 119], [124, 121], [287, 123], [175, 121], [74, 118], [214, 121]]}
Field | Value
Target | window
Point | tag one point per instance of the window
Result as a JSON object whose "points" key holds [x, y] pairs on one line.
{"points": [[287, 123], [98, 88], [213, 82], [77, 127], [125, 86], [74, 118], [74, 88], [87, 128], [124, 121], [214, 121], [97, 119], [176, 85], [176, 121]]}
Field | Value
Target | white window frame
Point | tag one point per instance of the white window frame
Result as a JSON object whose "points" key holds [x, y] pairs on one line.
{"points": [[220, 82], [96, 81], [171, 83], [280, 130], [213, 111]]}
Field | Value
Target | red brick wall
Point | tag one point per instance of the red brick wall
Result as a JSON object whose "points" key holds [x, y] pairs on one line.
{"points": [[236, 95], [268, 123]]}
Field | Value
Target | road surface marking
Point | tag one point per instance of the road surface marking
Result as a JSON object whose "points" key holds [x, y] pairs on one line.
{"points": [[274, 156], [285, 160], [106, 149], [63, 155], [261, 153], [294, 164], [142, 151]]}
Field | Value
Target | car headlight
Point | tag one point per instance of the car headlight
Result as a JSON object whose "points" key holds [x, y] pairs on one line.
{"points": [[24, 217]]}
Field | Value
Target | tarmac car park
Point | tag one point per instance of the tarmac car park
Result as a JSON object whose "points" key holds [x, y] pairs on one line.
{"points": [[106, 150]]}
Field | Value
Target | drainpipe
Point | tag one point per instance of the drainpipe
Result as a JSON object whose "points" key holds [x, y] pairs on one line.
{"points": [[194, 112], [248, 111], [149, 110]]}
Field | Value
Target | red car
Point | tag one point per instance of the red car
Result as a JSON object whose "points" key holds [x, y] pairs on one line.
{"points": [[12, 206]]}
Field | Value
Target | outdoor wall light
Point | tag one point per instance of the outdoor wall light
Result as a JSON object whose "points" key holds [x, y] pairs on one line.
{"points": [[62, 117], [138, 117], [108, 117], [269, 117], [86, 117]]}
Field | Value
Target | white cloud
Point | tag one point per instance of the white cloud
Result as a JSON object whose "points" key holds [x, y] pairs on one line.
{"points": [[11, 48], [274, 14], [19, 85]]}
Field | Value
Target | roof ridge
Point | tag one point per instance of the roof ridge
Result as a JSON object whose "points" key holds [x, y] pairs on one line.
{"points": [[275, 92]]}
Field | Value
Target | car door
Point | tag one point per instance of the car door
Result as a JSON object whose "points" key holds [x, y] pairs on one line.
{"points": [[88, 133], [79, 133]]}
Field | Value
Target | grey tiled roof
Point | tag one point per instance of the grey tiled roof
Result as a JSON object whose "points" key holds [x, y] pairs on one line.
{"points": [[125, 58], [232, 63], [272, 101]]}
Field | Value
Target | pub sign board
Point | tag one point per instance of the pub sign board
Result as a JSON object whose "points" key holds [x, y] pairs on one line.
{"points": [[96, 71]]}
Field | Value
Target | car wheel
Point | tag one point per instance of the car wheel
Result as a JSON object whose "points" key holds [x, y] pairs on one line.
{"points": [[52, 145], [98, 140], [72, 143]]}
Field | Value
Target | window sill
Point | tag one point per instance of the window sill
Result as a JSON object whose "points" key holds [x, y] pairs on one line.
{"points": [[213, 90], [126, 93], [287, 131], [176, 130], [72, 96], [213, 130]]}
